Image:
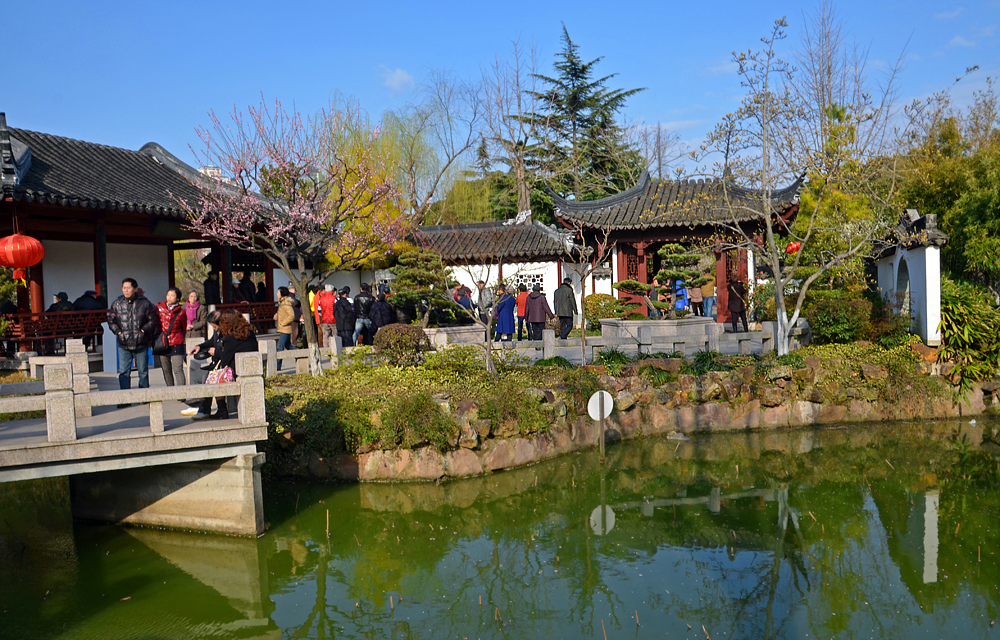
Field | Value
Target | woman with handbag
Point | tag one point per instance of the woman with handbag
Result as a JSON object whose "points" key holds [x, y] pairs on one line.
{"points": [[168, 344], [235, 336]]}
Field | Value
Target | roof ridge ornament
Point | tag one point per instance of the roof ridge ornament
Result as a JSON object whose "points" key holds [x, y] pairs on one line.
{"points": [[523, 217]]}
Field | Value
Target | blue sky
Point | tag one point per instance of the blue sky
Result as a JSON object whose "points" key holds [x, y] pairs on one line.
{"points": [[127, 73]]}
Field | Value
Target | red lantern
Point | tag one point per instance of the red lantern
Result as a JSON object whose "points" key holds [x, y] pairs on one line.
{"points": [[793, 247], [19, 252]]}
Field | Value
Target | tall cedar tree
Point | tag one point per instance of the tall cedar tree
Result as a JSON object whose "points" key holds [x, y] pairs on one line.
{"points": [[584, 147]]}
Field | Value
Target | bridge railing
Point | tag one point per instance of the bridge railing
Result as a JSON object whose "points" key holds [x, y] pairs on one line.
{"points": [[62, 404]]}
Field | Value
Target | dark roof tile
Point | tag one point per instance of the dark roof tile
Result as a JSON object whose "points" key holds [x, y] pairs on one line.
{"points": [[492, 241]]}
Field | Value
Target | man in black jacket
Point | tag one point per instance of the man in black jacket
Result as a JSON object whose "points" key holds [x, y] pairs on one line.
{"points": [[211, 284], [60, 303], [362, 308], [381, 314], [132, 319], [344, 312]]}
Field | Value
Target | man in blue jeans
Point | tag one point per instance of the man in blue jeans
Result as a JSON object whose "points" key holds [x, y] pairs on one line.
{"points": [[133, 319]]}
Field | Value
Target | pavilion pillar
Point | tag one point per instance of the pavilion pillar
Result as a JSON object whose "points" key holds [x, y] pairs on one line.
{"points": [[721, 287], [101, 260], [36, 288], [640, 249], [171, 276], [269, 278], [226, 277]]}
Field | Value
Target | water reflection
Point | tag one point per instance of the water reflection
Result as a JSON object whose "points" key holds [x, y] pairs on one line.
{"points": [[887, 532]]}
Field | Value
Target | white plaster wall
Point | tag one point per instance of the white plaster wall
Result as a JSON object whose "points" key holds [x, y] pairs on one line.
{"points": [[352, 279], [67, 266], [923, 266], [146, 263]]}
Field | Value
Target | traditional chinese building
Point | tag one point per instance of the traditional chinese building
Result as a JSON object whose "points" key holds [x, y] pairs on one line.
{"points": [[655, 212]]}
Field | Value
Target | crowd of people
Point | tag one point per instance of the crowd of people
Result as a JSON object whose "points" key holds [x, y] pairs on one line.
{"points": [[500, 305]]}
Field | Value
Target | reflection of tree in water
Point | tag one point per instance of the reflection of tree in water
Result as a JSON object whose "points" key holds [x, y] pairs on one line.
{"points": [[776, 543]]}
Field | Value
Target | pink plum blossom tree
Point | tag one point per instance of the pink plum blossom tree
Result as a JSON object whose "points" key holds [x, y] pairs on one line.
{"points": [[314, 195]]}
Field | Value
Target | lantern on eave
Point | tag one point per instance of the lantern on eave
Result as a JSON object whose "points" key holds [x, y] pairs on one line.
{"points": [[18, 252], [793, 248]]}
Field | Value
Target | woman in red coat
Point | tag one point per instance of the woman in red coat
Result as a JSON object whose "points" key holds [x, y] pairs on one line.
{"points": [[174, 324]]}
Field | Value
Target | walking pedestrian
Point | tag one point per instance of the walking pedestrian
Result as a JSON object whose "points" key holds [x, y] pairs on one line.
{"points": [[382, 313], [132, 318], [284, 320], [738, 304], [522, 297], [504, 314], [197, 316], [484, 302], [537, 311], [708, 296], [564, 300], [325, 318], [173, 324], [346, 320], [697, 301], [362, 321], [211, 285]]}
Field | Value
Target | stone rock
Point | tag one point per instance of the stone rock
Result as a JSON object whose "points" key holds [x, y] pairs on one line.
{"points": [[673, 365], [462, 463], [469, 438], [442, 401], [805, 376], [746, 374], [499, 455], [804, 413], [731, 390], [771, 396], [815, 395], [782, 383], [559, 409], [624, 401], [524, 451], [541, 396], [612, 436], [874, 371], [483, 427], [689, 384], [661, 397], [780, 373], [778, 416], [661, 418], [507, 429], [427, 464], [675, 435], [927, 354], [710, 389], [467, 409], [813, 362], [829, 413]]}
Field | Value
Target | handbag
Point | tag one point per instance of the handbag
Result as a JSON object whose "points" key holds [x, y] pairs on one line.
{"points": [[220, 376], [161, 341]]}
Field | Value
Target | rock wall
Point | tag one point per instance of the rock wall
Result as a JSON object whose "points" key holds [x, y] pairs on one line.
{"points": [[715, 402]]}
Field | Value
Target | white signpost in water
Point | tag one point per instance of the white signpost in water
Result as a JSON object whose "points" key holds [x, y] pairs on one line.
{"points": [[599, 407]]}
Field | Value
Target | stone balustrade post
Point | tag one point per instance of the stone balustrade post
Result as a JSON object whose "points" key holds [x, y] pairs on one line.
{"points": [[712, 331], [250, 375], [548, 343], [767, 336], [336, 349], [645, 340], [269, 351], [76, 355], [60, 405]]}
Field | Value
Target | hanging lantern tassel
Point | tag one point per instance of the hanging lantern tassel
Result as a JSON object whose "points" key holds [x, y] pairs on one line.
{"points": [[20, 275]]}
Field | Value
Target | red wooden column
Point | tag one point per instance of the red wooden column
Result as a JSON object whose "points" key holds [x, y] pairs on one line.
{"points": [[269, 278], [721, 287], [36, 288]]}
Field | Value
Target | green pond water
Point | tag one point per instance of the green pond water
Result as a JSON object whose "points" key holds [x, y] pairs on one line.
{"points": [[868, 532]]}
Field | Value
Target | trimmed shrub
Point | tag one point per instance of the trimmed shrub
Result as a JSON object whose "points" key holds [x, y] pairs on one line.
{"points": [[838, 320], [603, 305], [401, 345], [555, 361], [417, 420]]}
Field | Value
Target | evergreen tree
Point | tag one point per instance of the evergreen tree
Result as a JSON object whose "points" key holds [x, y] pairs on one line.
{"points": [[422, 283], [678, 263], [584, 152]]}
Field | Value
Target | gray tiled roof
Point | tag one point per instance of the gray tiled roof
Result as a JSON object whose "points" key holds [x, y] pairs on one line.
{"points": [[69, 172], [492, 241], [655, 203]]}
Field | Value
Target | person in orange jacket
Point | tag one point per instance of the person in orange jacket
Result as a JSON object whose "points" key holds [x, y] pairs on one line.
{"points": [[522, 297]]}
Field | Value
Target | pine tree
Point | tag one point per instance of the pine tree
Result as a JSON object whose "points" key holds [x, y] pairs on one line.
{"points": [[585, 152], [679, 263], [422, 282]]}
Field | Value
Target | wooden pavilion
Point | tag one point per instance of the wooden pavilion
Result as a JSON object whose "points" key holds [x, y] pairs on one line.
{"points": [[655, 212]]}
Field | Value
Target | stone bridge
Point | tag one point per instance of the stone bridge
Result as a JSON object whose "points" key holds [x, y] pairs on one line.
{"points": [[146, 463]]}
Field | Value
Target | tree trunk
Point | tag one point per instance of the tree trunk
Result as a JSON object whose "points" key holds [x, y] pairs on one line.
{"points": [[312, 339]]}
